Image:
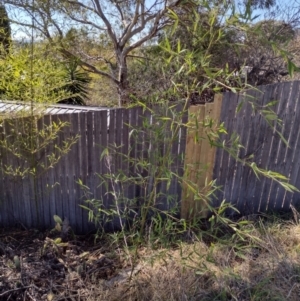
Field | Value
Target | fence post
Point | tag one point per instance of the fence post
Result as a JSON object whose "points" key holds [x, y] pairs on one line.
{"points": [[199, 156]]}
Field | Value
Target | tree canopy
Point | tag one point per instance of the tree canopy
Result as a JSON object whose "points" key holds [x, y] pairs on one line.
{"points": [[34, 74], [127, 25], [5, 31], [132, 43]]}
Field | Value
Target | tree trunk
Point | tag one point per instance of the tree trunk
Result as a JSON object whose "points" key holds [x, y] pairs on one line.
{"points": [[123, 86]]}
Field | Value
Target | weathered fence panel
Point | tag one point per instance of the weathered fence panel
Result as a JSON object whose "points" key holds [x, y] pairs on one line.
{"points": [[58, 192], [57, 189], [240, 185]]}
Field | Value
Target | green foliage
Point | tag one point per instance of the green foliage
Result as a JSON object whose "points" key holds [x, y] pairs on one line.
{"points": [[193, 55], [31, 76], [76, 83], [142, 216], [24, 141], [36, 75], [141, 219], [5, 32], [220, 44], [28, 149]]}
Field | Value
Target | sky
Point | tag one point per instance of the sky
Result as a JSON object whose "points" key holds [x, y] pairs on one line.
{"points": [[21, 33]]}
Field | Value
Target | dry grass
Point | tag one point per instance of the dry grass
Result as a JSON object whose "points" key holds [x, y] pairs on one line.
{"points": [[266, 267], [263, 266]]}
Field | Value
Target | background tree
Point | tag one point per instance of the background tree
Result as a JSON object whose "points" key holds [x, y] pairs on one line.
{"points": [[117, 42], [202, 31], [5, 32], [41, 77], [260, 3], [264, 64], [127, 24], [253, 53]]}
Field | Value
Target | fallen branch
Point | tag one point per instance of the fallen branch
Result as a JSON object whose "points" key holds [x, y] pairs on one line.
{"points": [[15, 289]]}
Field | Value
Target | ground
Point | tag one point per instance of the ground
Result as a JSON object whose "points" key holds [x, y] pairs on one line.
{"points": [[263, 265]]}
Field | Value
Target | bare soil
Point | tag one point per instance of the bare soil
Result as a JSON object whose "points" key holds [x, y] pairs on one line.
{"points": [[36, 266]]}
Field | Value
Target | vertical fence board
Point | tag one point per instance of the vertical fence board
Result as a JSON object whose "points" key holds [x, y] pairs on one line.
{"points": [[163, 201], [175, 151], [105, 128], [77, 128], [254, 145], [64, 179], [270, 152], [3, 198], [281, 147], [294, 166], [125, 151], [98, 117], [8, 179], [53, 187], [91, 164], [138, 141], [13, 128], [57, 200], [45, 183], [200, 156], [262, 147], [232, 168], [216, 115], [181, 153], [226, 101], [187, 201], [229, 106], [17, 216], [71, 132], [200, 150], [109, 161], [212, 111], [118, 159], [198, 168], [118, 143], [40, 158], [163, 120], [83, 169], [284, 156], [148, 140], [242, 169], [133, 117]]}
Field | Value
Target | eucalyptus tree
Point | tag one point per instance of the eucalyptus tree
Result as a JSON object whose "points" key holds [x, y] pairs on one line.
{"points": [[127, 25]]}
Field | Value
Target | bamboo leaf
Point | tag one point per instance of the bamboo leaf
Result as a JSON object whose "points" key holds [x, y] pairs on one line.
{"points": [[57, 219]]}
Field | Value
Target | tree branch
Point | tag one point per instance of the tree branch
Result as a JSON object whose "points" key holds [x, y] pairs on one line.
{"points": [[110, 31]]}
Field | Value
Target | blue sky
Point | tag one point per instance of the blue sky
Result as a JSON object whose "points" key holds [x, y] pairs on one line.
{"points": [[19, 32]]}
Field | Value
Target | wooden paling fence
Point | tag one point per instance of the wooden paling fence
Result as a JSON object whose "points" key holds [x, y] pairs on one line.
{"points": [[262, 145], [59, 192], [242, 114]]}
